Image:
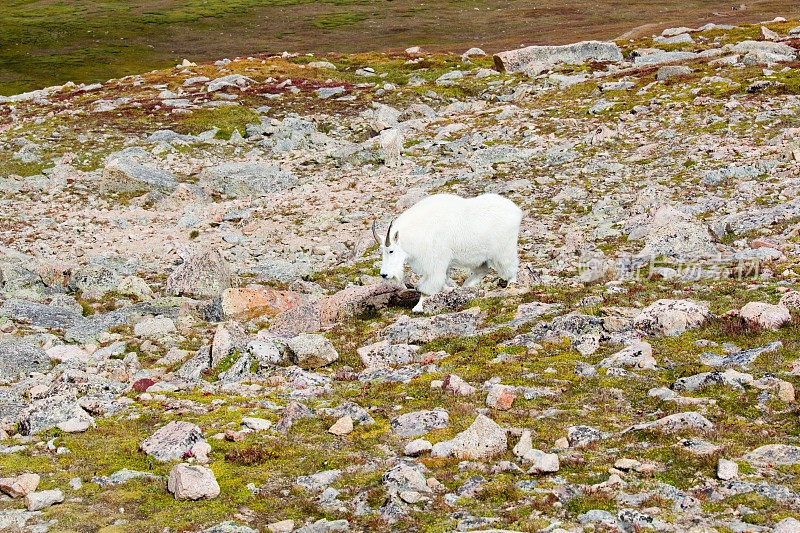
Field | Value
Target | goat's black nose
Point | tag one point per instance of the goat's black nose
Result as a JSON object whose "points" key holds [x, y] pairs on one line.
{"points": [[384, 275]]}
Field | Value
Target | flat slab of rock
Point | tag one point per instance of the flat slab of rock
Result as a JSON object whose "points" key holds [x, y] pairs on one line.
{"points": [[122, 476], [192, 482], [774, 455], [37, 314], [420, 422], [172, 441], [51, 411], [730, 378], [690, 420], [421, 330], [357, 301], [133, 173], [247, 179], [484, 439], [672, 317], [535, 59], [744, 358], [18, 358]]}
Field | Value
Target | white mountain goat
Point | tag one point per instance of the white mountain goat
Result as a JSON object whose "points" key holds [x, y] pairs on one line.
{"points": [[445, 230]]}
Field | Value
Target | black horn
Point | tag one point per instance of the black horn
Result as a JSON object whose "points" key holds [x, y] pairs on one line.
{"points": [[375, 233], [389, 232]]}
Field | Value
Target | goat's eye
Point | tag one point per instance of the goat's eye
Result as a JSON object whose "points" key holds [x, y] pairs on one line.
{"points": [[391, 251]]}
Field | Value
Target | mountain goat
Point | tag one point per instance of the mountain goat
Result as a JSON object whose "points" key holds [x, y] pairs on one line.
{"points": [[446, 230]]}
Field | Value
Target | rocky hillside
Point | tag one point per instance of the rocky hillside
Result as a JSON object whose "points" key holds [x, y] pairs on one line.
{"points": [[194, 336]]}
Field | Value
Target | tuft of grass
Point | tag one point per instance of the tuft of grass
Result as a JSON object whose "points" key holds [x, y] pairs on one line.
{"points": [[226, 119]]}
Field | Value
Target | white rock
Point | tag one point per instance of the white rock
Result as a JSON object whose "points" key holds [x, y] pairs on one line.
{"points": [[417, 447], [192, 482], [284, 526], [765, 315], [36, 501], [154, 328], [727, 470], [67, 352], [638, 355], [484, 439], [257, 424], [343, 426], [787, 525]]}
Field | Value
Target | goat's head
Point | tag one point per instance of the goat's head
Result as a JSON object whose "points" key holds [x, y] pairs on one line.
{"points": [[392, 256]]}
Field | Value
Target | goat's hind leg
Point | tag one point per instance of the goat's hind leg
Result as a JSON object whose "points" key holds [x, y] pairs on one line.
{"points": [[478, 274]]}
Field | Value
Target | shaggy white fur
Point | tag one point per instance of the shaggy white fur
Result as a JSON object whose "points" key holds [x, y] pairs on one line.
{"points": [[445, 230]]}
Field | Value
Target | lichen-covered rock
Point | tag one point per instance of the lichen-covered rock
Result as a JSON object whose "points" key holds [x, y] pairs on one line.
{"points": [[236, 179], [420, 422], [293, 411], [689, 420], [192, 482], [51, 411], [173, 441], [311, 351], [484, 439], [425, 329], [38, 314], [672, 233], [774, 455], [134, 171], [202, 275], [18, 358], [501, 397], [764, 315], [580, 436], [638, 355], [383, 354], [672, 317], [535, 59]]}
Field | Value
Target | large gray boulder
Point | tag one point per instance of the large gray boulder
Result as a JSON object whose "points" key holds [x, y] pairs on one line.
{"points": [[767, 47], [133, 171], [671, 233], [94, 281], [247, 179], [18, 358], [38, 314], [50, 412], [202, 275], [535, 59]]}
